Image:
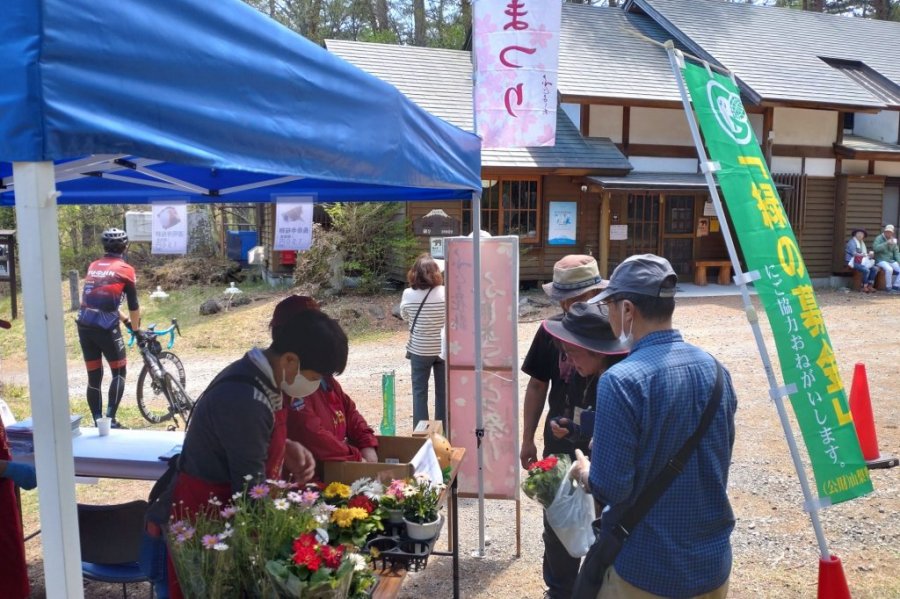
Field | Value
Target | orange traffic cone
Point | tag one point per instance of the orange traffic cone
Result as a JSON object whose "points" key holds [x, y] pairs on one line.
{"points": [[832, 584], [864, 421]]}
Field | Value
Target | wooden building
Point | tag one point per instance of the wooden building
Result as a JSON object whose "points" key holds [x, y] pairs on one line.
{"points": [[823, 94]]}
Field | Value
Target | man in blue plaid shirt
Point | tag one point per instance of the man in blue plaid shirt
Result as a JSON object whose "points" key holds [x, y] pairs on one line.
{"points": [[647, 407]]}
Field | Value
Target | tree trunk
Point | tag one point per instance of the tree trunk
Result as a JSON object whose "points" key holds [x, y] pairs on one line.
{"points": [[382, 22], [419, 22], [466, 11]]}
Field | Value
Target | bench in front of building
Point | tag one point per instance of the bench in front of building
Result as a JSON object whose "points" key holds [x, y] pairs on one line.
{"points": [[700, 267]]}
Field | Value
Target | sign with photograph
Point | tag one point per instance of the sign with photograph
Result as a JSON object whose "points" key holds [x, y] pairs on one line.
{"points": [[437, 247], [168, 227], [563, 223], [499, 383], [293, 222]]}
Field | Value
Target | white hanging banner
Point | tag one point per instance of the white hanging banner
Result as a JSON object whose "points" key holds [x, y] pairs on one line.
{"points": [[516, 46], [169, 227], [293, 222]]}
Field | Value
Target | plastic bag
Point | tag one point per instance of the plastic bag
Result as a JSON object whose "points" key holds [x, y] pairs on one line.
{"points": [[570, 515]]}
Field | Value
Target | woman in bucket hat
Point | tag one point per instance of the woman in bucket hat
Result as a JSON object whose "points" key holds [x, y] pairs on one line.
{"points": [[576, 278], [587, 339], [859, 258]]}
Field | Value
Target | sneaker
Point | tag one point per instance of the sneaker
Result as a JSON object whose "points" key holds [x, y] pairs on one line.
{"points": [[116, 424]]}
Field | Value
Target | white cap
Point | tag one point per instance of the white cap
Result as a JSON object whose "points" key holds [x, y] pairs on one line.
{"points": [[889, 228]]}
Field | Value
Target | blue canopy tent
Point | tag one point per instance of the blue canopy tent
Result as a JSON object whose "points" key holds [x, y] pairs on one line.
{"points": [[131, 101]]}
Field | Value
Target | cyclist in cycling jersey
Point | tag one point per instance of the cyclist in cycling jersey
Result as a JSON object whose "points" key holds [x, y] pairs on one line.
{"points": [[108, 279]]}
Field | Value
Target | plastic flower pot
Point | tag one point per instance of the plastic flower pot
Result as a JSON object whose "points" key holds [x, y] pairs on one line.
{"points": [[423, 532]]}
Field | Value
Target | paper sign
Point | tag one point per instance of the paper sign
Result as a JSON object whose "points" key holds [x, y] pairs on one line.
{"points": [[702, 227], [618, 232], [709, 209], [293, 223], [499, 341], [437, 247], [563, 223], [169, 227]]}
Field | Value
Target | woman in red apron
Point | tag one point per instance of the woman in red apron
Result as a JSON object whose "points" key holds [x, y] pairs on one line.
{"points": [[237, 428], [13, 569]]}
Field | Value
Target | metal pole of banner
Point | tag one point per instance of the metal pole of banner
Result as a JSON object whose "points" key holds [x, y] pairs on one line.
{"points": [[479, 413], [676, 60]]}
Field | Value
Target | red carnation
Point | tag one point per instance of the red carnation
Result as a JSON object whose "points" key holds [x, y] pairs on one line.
{"points": [[305, 540], [363, 502], [547, 464]]}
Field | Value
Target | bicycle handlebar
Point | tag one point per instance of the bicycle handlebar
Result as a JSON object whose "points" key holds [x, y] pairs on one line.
{"points": [[151, 330]]}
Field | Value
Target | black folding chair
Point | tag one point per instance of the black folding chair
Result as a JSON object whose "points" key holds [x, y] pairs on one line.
{"points": [[111, 543]]}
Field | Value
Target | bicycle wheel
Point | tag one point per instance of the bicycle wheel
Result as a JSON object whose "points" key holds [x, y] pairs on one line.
{"points": [[179, 400], [151, 398]]}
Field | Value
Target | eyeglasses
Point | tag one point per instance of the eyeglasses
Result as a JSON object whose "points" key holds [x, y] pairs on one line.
{"points": [[604, 306]]}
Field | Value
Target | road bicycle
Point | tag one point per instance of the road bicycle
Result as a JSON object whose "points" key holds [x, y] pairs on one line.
{"points": [[160, 385]]}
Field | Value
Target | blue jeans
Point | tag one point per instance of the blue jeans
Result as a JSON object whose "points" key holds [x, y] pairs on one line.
{"points": [[868, 274], [421, 371]]}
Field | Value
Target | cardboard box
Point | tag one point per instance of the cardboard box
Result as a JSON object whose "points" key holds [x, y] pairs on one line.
{"points": [[426, 427], [402, 449]]}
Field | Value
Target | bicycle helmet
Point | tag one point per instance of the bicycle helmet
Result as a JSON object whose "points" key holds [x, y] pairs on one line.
{"points": [[114, 240]]}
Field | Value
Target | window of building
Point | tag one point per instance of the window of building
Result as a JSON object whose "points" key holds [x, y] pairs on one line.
{"points": [[508, 207]]}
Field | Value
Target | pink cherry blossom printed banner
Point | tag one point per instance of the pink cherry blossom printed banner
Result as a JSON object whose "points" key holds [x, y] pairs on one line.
{"points": [[516, 45], [499, 382]]}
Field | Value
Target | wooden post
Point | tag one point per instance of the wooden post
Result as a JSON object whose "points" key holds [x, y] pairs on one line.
{"points": [[603, 260], [74, 299]]}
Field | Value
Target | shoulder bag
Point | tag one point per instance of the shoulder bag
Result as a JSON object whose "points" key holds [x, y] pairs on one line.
{"points": [[605, 549], [413, 327]]}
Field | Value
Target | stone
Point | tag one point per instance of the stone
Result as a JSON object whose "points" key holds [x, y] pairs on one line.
{"points": [[240, 300], [376, 311], [210, 306]]}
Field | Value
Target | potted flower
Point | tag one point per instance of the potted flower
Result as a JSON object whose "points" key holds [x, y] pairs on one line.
{"points": [[313, 569], [392, 500], [544, 477], [421, 508]]}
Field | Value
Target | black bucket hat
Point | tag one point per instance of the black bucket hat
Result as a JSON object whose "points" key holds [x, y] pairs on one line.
{"points": [[585, 326]]}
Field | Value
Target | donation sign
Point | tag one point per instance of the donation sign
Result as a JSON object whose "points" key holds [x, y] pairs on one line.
{"points": [[516, 47], [168, 227], [804, 349], [293, 223], [499, 380]]}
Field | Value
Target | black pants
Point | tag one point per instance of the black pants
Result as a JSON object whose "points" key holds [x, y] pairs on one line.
{"points": [[560, 569]]}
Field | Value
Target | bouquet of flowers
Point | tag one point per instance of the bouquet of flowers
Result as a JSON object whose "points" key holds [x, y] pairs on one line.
{"points": [[544, 477]]}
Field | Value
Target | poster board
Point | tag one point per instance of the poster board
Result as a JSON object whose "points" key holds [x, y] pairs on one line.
{"points": [[500, 388], [563, 226]]}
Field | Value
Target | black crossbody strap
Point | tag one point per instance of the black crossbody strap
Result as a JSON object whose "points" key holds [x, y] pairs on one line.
{"points": [[663, 480], [413, 327]]}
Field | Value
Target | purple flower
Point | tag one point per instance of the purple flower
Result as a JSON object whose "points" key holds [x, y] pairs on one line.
{"points": [[259, 491]]}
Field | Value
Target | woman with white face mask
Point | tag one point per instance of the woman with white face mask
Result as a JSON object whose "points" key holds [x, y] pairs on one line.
{"points": [[237, 433]]}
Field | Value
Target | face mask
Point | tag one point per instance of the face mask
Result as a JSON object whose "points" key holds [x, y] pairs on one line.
{"points": [[623, 338], [301, 387]]}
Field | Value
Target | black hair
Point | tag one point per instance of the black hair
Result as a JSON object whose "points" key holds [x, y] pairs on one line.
{"points": [[317, 339]]}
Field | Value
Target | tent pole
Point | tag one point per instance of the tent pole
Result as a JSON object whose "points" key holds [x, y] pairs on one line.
{"points": [[479, 415], [35, 193]]}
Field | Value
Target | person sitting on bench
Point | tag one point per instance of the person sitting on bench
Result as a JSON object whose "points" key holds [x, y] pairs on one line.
{"points": [[858, 258]]}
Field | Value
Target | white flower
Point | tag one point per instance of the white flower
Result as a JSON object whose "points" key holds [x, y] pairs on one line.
{"points": [[294, 496], [282, 504], [248, 477], [213, 500], [372, 489], [220, 546], [359, 562]]}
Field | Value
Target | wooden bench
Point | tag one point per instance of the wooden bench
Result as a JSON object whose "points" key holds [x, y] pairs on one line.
{"points": [[856, 284], [700, 267]]}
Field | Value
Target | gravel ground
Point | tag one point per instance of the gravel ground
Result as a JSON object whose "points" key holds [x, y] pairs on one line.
{"points": [[775, 551]]}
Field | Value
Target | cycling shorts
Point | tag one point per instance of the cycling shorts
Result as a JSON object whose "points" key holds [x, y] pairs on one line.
{"points": [[102, 342]]}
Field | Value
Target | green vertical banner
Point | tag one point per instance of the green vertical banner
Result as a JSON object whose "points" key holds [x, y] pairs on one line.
{"points": [[785, 291], [388, 408]]}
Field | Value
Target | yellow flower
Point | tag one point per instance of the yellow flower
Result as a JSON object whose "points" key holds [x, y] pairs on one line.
{"points": [[337, 490], [358, 513], [343, 516]]}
